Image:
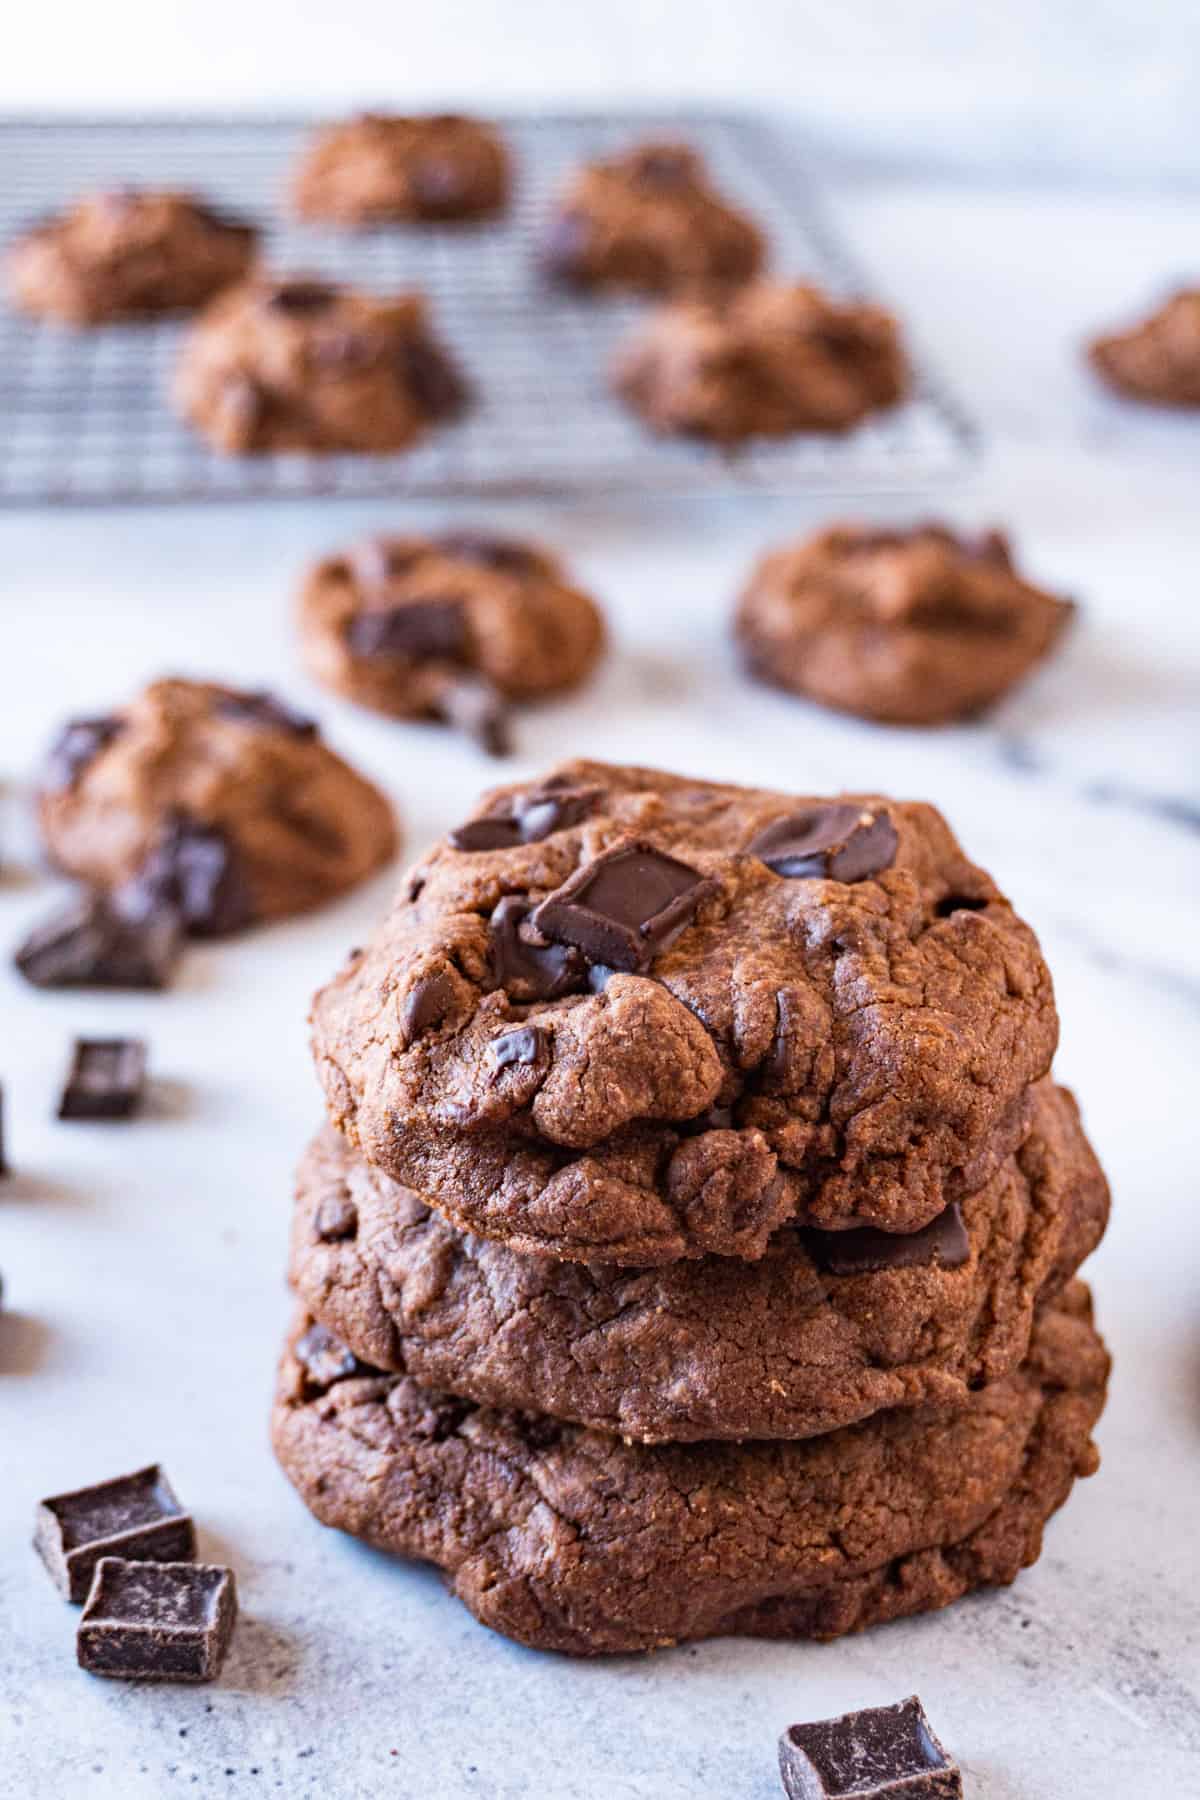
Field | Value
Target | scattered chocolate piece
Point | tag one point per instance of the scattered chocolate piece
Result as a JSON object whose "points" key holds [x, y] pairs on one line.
{"points": [[429, 1000], [471, 705], [73, 749], [194, 868], [624, 907], [423, 630], [524, 1045], [533, 817], [524, 964], [335, 1218], [325, 1358], [106, 1080], [159, 1621], [866, 1249], [266, 709], [838, 842], [92, 943], [133, 1516], [881, 1753]]}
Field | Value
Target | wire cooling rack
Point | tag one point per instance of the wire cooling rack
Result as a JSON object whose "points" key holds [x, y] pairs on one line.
{"points": [[85, 418]]}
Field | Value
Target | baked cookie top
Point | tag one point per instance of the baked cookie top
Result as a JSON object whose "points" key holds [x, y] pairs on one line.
{"points": [[568, 1539], [222, 801], [626, 1016], [915, 627], [768, 360], [306, 364], [1159, 359], [450, 627], [387, 166], [827, 1328], [127, 253], [649, 219]]}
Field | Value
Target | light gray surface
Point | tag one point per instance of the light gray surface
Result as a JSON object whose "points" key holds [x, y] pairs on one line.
{"points": [[143, 1262]]}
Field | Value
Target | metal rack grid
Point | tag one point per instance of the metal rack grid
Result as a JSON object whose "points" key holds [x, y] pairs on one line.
{"points": [[84, 416]]}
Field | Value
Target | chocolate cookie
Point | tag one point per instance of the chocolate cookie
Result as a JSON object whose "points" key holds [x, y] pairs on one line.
{"points": [[1158, 360], [649, 219], [828, 1328], [308, 365], [767, 361], [220, 803], [569, 1539], [447, 628], [913, 627], [381, 167], [127, 254], [623, 1016]]}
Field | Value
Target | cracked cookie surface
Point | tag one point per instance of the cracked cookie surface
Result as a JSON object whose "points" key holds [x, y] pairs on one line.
{"points": [[1159, 359], [826, 1329], [624, 1016], [126, 254], [914, 627], [387, 167], [221, 801], [568, 1539]]}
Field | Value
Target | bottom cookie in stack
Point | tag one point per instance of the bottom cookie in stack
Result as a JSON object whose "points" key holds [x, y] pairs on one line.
{"points": [[571, 1539]]}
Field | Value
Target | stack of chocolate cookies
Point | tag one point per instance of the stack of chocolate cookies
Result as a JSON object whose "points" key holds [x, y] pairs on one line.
{"points": [[691, 1248]]}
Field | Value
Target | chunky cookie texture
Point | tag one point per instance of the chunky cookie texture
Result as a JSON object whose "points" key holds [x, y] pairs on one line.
{"points": [[218, 803], [650, 220], [304, 364], [625, 1016], [127, 254], [825, 1330], [451, 628], [915, 627], [568, 1539], [1158, 360], [769, 360], [383, 167]]}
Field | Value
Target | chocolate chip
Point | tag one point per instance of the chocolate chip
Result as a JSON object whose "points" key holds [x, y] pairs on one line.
{"points": [[492, 552], [881, 1753], [92, 944], [523, 963], [834, 842], [500, 832], [470, 704], [421, 630], [436, 184], [624, 907], [265, 709], [665, 167], [532, 818], [952, 903], [440, 1417], [300, 297], [157, 1621], [866, 1250], [335, 1218], [106, 1079], [196, 869], [134, 1516], [524, 1045], [74, 748], [435, 383], [324, 1358], [429, 1000]]}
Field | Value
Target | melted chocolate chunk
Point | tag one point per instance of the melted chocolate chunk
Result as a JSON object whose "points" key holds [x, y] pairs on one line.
{"points": [[881, 1753], [301, 297], [665, 168], [470, 704], [106, 1081], [866, 1250], [837, 842], [429, 1000], [74, 748], [195, 869], [533, 817], [434, 382], [436, 184], [157, 1621], [325, 1359], [92, 944], [134, 1516], [523, 963], [625, 907], [524, 1045], [335, 1218], [421, 630], [266, 709]]}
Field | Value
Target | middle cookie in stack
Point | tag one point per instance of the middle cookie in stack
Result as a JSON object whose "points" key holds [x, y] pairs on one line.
{"points": [[763, 1081]]}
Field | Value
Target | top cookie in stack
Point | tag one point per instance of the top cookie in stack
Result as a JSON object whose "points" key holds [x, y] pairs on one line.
{"points": [[622, 1016]]}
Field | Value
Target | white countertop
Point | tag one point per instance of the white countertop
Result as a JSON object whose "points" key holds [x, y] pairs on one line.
{"points": [[143, 1262]]}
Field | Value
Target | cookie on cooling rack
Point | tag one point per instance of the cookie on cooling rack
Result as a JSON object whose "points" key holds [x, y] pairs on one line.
{"points": [[381, 167], [1158, 359]]}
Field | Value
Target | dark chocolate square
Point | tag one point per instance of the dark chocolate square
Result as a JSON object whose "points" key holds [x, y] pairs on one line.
{"points": [[106, 1080], [133, 1516], [881, 1753], [157, 1621]]}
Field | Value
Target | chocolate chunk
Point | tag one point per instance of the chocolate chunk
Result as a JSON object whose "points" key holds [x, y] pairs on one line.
{"points": [[429, 1000], [665, 168], [91, 943], [838, 842], [493, 552], [623, 908], [162, 1621], [500, 832], [524, 1045], [335, 1218], [265, 709], [300, 297], [73, 749], [325, 1359], [523, 963], [865, 1250], [470, 704], [135, 1516], [881, 1753], [106, 1079], [435, 383], [533, 817], [422, 630], [436, 183], [196, 869]]}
